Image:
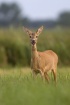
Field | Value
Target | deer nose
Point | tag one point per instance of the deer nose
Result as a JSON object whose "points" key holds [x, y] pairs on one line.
{"points": [[33, 41]]}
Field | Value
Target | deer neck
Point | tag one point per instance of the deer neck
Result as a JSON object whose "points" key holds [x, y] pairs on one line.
{"points": [[34, 52]]}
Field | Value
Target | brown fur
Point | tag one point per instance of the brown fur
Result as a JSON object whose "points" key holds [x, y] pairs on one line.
{"points": [[42, 62]]}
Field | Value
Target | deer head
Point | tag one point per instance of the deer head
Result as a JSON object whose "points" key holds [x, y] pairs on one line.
{"points": [[33, 35]]}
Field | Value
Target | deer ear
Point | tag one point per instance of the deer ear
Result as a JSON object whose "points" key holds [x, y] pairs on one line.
{"points": [[27, 31], [39, 30]]}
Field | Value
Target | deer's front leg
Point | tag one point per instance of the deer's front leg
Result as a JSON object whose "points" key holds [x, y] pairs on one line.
{"points": [[42, 75], [45, 76], [34, 74]]}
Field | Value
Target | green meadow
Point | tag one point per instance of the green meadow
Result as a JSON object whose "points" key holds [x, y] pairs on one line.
{"points": [[18, 87]]}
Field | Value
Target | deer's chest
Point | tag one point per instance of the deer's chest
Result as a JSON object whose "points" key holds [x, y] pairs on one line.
{"points": [[35, 63]]}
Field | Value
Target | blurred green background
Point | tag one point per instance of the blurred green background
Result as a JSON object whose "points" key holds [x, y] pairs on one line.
{"points": [[15, 47]]}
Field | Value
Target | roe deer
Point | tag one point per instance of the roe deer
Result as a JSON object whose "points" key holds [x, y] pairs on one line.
{"points": [[41, 62]]}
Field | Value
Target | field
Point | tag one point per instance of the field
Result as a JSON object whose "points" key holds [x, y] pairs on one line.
{"points": [[18, 87]]}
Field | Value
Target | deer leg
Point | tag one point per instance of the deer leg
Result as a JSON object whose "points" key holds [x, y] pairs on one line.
{"points": [[42, 75], [54, 74], [34, 74], [46, 77]]}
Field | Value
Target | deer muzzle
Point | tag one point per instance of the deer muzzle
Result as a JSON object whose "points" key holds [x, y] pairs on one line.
{"points": [[33, 42]]}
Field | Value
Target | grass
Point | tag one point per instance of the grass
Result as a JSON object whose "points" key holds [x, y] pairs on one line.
{"points": [[15, 47], [17, 87]]}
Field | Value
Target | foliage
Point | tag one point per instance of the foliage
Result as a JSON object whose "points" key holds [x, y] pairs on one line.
{"points": [[64, 19], [15, 48], [10, 14]]}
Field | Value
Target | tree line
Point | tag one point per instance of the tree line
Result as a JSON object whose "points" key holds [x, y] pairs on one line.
{"points": [[10, 15]]}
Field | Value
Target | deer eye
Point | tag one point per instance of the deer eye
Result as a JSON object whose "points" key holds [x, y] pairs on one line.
{"points": [[36, 36]]}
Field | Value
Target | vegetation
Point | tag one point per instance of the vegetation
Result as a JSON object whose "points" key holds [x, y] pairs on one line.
{"points": [[17, 87], [11, 15], [15, 47]]}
